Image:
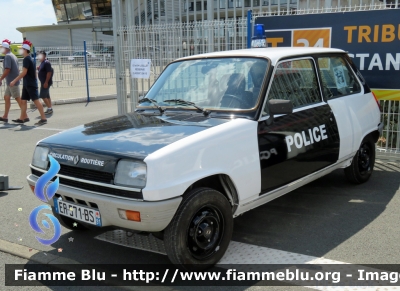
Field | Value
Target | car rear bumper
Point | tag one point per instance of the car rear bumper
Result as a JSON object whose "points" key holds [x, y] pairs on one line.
{"points": [[155, 216]]}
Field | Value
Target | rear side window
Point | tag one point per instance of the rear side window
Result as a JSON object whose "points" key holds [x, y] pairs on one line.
{"points": [[295, 81], [337, 78]]}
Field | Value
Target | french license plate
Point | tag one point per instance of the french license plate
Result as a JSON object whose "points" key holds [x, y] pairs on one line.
{"points": [[75, 211]]}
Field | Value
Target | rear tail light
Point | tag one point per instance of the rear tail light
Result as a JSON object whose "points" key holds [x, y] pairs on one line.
{"points": [[377, 101]]}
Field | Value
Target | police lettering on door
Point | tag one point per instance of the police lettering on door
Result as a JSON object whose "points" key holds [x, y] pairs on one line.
{"points": [[306, 138]]}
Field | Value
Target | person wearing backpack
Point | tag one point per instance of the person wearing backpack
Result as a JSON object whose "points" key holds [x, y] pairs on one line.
{"points": [[45, 74]]}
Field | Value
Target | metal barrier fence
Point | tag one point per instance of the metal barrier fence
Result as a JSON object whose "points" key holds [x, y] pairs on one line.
{"points": [[319, 6], [69, 79], [163, 43], [388, 146]]}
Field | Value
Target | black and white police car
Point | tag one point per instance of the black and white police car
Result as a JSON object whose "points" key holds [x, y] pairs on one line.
{"points": [[217, 135]]}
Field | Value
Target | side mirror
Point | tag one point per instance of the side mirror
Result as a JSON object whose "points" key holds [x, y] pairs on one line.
{"points": [[278, 106]]}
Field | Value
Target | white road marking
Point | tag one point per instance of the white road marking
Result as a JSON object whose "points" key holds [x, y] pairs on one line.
{"points": [[47, 128], [33, 127]]}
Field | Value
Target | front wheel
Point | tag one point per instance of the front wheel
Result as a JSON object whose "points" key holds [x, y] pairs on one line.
{"points": [[200, 232], [363, 163]]}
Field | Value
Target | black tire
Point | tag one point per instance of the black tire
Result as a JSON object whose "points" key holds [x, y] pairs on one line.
{"points": [[68, 222], [200, 232], [363, 163]]}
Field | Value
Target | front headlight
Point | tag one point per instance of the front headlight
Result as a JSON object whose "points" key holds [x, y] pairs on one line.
{"points": [[40, 159], [131, 174]]}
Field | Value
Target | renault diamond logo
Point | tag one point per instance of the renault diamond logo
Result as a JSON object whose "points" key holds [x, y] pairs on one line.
{"points": [[76, 160]]}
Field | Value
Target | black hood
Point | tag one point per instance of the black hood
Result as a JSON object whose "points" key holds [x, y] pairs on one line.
{"points": [[132, 135]]}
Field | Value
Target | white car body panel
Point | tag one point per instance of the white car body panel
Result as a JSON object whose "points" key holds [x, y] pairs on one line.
{"points": [[172, 169], [356, 115]]}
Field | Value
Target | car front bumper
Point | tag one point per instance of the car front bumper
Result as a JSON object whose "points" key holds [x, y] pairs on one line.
{"points": [[155, 216]]}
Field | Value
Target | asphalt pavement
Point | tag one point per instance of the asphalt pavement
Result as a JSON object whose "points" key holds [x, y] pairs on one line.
{"points": [[328, 218]]}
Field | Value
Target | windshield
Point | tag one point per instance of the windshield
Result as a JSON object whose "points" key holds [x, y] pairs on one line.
{"points": [[220, 83]]}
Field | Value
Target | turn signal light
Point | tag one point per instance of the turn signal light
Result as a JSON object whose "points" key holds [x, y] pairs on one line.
{"points": [[133, 215], [129, 215], [32, 188]]}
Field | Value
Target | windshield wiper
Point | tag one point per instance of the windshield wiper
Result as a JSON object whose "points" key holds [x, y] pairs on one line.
{"points": [[204, 111], [154, 102]]}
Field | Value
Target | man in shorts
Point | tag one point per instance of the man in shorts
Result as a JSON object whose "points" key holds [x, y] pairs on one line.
{"points": [[29, 87], [45, 74], [10, 72]]}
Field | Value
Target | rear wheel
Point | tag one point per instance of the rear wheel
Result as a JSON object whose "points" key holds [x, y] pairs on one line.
{"points": [[363, 163], [200, 232]]}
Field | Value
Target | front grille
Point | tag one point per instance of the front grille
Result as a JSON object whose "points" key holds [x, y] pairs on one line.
{"points": [[85, 174], [95, 188]]}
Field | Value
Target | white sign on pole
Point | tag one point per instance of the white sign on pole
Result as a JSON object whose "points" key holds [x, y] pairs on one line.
{"points": [[140, 68]]}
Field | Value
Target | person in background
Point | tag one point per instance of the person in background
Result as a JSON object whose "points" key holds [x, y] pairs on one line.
{"points": [[29, 87], [45, 74], [191, 47], [10, 72]]}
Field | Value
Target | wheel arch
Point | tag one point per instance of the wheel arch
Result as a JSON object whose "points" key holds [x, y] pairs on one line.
{"points": [[362, 164], [373, 134], [219, 182]]}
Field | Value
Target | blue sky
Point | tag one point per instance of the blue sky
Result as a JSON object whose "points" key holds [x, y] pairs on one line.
{"points": [[18, 13]]}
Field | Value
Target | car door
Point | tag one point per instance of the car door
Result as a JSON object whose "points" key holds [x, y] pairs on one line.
{"points": [[351, 102], [298, 144]]}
